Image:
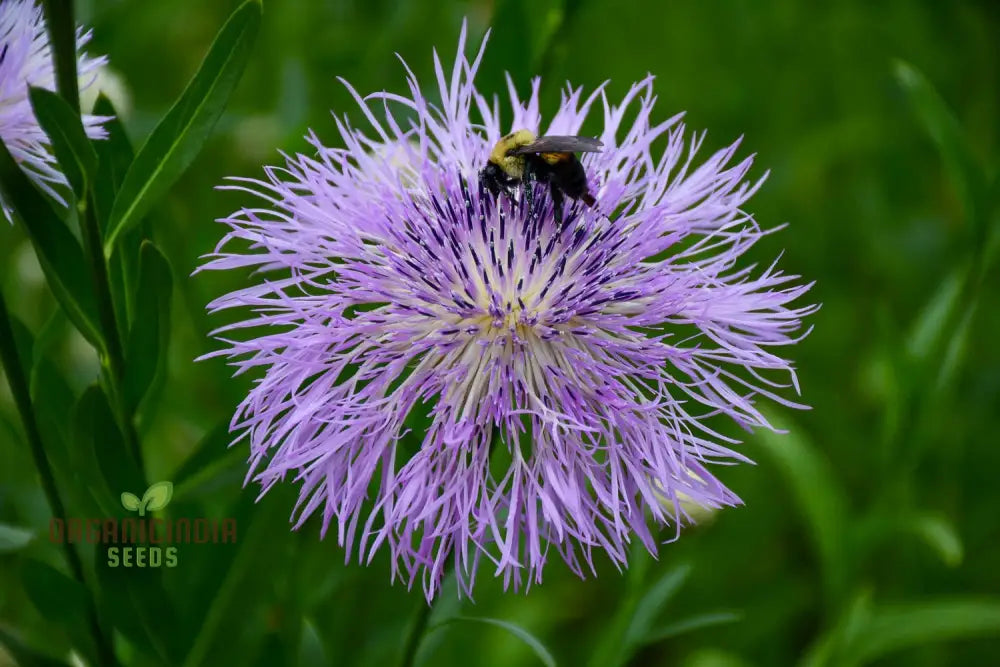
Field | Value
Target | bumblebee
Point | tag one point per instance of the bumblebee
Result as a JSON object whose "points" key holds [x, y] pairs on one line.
{"points": [[522, 157]]}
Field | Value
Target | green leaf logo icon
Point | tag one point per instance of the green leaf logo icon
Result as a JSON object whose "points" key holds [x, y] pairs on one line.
{"points": [[130, 501], [156, 497]]}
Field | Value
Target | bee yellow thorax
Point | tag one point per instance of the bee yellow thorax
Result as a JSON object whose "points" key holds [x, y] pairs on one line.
{"points": [[512, 165]]}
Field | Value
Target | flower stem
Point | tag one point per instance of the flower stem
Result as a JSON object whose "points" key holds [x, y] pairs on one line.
{"points": [[22, 399], [415, 633], [62, 35]]}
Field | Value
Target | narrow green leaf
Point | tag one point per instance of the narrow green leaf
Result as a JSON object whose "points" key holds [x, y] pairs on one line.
{"points": [[13, 538], [311, 651], [940, 535], [101, 453], [931, 327], [133, 597], [818, 496], [179, 137], [944, 129], [116, 155], [24, 655], [955, 350], [57, 597], [529, 639], [149, 330], [59, 253], [907, 625], [937, 532], [713, 657], [692, 623], [115, 152], [52, 399], [216, 607], [653, 602], [136, 601], [60, 600], [827, 649], [76, 156]]}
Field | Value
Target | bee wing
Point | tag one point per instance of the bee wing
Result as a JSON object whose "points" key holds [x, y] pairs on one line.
{"points": [[560, 144]]}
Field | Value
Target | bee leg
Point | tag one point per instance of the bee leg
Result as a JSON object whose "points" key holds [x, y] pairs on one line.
{"points": [[557, 203], [530, 178]]}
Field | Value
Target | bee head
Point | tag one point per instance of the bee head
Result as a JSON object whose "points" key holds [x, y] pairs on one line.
{"points": [[490, 178]]}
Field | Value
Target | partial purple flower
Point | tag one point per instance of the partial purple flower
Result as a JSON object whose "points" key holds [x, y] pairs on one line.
{"points": [[26, 60], [570, 372]]}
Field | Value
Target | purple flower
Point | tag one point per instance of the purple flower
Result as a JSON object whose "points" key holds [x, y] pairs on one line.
{"points": [[26, 60], [568, 371]]}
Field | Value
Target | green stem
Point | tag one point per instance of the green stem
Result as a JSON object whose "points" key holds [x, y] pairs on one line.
{"points": [[415, 633], [114, 360], [62, 36], [22, 399]]}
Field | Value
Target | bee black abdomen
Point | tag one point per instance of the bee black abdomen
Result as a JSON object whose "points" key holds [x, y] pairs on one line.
{"points": [[572, 179]]}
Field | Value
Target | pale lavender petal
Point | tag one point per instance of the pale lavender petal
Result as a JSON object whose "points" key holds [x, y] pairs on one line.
{"points": [[590, 356]]}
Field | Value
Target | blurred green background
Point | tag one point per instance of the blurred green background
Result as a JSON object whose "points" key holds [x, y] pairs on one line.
{"points": [[875, 520]]}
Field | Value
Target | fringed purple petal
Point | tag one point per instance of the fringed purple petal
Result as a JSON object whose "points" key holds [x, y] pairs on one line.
{"points": [[582, 359]]}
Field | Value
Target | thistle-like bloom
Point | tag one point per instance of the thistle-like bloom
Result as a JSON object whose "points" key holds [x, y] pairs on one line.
{"points": [[569, 372], [26, 60]]}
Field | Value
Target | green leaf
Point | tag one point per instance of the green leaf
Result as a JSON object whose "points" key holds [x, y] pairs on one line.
{"points": [[13, 538], [76, 156], [652, 603], [61, 600], [157, 496], [181, 134], [818, 496], [929, 331], [116, 157], [59, 253], [944, 129], [56, 596], [130, 501], [713, 657], [136, 601], [898, 627], [692, 623], [940, 535], [529, 639], [955, 350], [935, 531], [52, 399], [115, 151], [827, 648], [216, 608], [311, 651], [101, 453], [24, 655], [149, 330]]}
